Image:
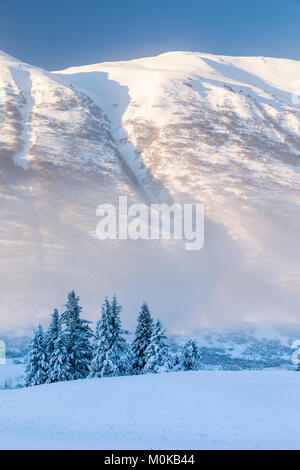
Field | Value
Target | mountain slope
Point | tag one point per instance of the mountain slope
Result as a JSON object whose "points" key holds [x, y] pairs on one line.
{"points": [[221, 130], [181, 126]]}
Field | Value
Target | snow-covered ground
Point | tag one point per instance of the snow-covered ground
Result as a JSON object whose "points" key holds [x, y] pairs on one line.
{"points": [[184, 410]]}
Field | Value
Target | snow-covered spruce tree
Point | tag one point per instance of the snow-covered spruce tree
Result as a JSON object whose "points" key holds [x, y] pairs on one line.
{"points": [[158, 358], [60, 364], [176, 362], [77, 335], [190, 356], [52, 333], [111, 352], [36, 360], [142, 339], [122, 349]]}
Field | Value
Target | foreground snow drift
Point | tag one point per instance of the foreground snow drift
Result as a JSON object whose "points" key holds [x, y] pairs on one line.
{"points": [[192, 410]]}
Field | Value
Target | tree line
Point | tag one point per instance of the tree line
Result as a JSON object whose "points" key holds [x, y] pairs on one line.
{"points": [[71, 350]]}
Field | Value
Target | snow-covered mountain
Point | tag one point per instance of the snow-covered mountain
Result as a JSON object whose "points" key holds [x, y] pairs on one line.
{"points": [[181, 126]]}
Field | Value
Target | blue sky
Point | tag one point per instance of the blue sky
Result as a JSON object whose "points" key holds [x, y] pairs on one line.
{"points": [[59, 33]]}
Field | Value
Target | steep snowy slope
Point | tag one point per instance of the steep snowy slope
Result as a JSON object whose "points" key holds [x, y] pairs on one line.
{"points": [[54, 140], [44, 121], [58, 161], [224, 131], [181, 126]]}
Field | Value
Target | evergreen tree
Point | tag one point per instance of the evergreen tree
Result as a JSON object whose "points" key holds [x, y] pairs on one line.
{"points": [[52, 333], [111, 355], [190, 356], [36, 361], [77, 335], [122, 350], [176, 362], [60, 365], [100, 365], [142, 339], [157, 354]]}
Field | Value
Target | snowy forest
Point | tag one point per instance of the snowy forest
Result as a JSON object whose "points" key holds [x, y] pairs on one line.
{"points": [[71, 350]]}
